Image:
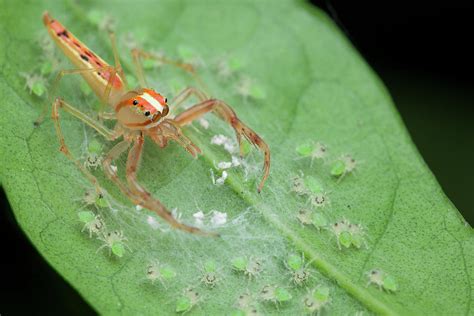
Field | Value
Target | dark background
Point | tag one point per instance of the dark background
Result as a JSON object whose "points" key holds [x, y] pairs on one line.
{"points": [[421, 51]]}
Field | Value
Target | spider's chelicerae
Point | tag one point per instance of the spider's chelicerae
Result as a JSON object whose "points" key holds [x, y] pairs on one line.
{"points": [[138, 113]]}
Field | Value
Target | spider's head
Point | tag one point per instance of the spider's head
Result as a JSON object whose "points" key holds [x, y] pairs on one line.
{"points": [[138, 109]]}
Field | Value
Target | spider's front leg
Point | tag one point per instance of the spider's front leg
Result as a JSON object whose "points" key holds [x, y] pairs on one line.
{"points": [[136, 192], [227, 114], [101, 129], [133, 162]]}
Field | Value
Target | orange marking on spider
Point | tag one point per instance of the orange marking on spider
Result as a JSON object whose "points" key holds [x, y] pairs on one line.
{"points": [[138, 113]]}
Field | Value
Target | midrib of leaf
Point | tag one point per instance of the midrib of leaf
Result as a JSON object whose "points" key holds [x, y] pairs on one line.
{"points": [[328, 269]]}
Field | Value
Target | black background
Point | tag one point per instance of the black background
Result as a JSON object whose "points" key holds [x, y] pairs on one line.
{"points": [[421, 51]]}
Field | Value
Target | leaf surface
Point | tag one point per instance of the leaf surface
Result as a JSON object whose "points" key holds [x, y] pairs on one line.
{"points": [[308, 83]]}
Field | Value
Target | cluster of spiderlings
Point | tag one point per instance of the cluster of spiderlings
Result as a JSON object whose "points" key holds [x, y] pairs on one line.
{"points": [[251, 267], [114, 241], [382, 280], [161, 272], [348, 234], [344, 165], [300, 273], [275, 294], [187, 301], [210, 277], [93, 156], [316, 300], [312, 150]]}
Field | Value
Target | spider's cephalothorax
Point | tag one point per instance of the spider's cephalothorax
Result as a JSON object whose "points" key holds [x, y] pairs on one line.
{"points": [[138, 113], [140, 109]]}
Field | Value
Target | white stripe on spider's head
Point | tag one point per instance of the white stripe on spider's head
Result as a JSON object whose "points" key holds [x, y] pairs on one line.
{"points": [[152, 101]]}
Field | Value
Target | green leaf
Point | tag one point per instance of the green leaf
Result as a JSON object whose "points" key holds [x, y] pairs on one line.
{"points": [[309, 84]]}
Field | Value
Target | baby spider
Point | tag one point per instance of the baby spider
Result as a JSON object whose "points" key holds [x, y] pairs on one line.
{"points": [[210, 276], [341, 231], [115, 241], [138, 113], [316, 299], [348, 234], [319, 220], [35, 84], [157, 271], [245, 306], [300, 273], [92, 223], [92, 197], [93, 156], [319, 199], [382, 280], [344, 165], [315, 192], [251, 267], [275, 294], [186, 302], [313, 150], [304, 216], [298, 185]]}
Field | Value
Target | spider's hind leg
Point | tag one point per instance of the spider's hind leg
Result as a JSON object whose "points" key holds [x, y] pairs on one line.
{"points": [[226, 113]]}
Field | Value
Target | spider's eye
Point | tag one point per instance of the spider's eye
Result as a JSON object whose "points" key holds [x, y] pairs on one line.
{"points": [[135, 102], [147, 113], [166, 100]]}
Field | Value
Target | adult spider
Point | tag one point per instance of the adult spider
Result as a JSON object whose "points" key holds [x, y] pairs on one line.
{"points": [[139, 113]]}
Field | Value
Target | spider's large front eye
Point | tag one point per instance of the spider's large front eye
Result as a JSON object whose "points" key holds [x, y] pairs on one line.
{"points": [[147, 113], [135, 102]]}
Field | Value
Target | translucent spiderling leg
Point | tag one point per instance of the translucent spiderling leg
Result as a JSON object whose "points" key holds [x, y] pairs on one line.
{"points": [[227, 114]]}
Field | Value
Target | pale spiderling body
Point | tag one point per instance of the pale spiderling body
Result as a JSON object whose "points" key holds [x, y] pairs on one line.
{"points": [[316, 300], [246, 306], [251, 267], [186, 302], [138, 113], [312, 150], [275, 294], [298, 185], [382, 280], [348, 234], [115, 241], [93, 224], [210, 276], [304, 216], [161, 272], [319, 199], [299, 270], [343, 166]]}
